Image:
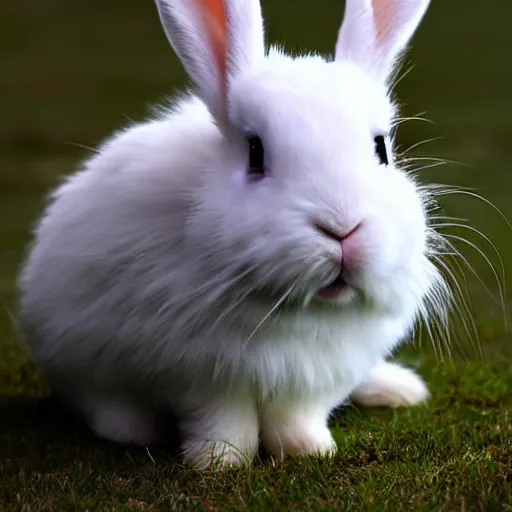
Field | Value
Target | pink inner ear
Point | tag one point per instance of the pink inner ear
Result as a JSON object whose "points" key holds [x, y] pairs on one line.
{"points": [[214, 18], [382, 16]]}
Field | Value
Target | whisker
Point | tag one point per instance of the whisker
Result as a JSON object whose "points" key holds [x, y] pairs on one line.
{"points": [[486, 238], [238, 300], [423, 168], [267, 316], [448, 217], [461, 308], [420, 143], [459, 255], [400, 120], [397, 78], [81, 146], [468, 192], [489, 263], [427, 325]]}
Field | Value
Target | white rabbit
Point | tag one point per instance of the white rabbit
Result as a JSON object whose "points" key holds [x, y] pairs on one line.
{"points": [[249, 259]]}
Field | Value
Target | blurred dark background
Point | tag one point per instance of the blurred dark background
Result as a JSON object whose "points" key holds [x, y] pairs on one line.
{"points": [[72, 71]]}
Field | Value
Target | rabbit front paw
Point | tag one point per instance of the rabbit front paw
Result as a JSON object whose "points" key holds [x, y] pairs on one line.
{"points": [[297, 430]]}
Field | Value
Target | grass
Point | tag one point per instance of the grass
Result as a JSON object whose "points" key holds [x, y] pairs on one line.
{"points": [[453, 454], [74, 71]]}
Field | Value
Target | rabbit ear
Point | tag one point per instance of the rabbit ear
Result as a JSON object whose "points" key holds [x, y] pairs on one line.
{"points": [[215, 40], [375, 32]]}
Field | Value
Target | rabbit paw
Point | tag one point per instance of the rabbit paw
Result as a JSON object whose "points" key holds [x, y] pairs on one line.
{"points": [[297, 431], [215, 454], [220, 433], [391, 385], [121, 421]]}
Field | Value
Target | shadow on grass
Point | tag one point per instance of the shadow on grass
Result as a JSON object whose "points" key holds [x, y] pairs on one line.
{"points": [[39, 427], [41, 433]]}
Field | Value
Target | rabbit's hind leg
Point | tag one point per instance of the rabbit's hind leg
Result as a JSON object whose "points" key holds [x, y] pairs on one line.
{"points": [[391, 385], [122, 420]]}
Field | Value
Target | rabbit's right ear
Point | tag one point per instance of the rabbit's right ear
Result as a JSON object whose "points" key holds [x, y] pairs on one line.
{"points": [[375, 32], [215, 41]]}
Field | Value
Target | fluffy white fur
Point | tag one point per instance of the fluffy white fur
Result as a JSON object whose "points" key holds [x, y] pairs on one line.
{"points": [[391, 385], [161, 276]]}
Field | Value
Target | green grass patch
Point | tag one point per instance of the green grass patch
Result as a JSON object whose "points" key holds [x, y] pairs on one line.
{"points": [[452, 454]]}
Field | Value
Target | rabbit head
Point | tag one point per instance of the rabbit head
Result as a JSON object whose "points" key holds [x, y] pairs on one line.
{"points": [[303, 196]]}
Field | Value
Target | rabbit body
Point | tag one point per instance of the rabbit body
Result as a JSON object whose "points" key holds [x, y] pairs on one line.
{"points": [[160, 278]]}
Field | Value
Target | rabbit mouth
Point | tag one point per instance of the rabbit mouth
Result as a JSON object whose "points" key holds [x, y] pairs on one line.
{"points": [[333, 290]]}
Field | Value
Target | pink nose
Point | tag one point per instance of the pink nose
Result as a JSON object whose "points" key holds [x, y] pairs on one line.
{"points": [[351, 249], [339, 236], [350, 245]]}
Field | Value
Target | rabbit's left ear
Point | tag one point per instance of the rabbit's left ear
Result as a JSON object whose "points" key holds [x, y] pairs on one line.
{"points": [[375, 32], [215, 40]]}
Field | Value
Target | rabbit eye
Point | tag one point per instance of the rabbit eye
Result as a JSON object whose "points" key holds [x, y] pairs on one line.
{"points": [[380, 149], [256, 157]]}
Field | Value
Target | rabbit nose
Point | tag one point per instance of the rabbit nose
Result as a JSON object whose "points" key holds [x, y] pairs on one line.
{"points": [[350, 245], [336, 234], [351, 250]]}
